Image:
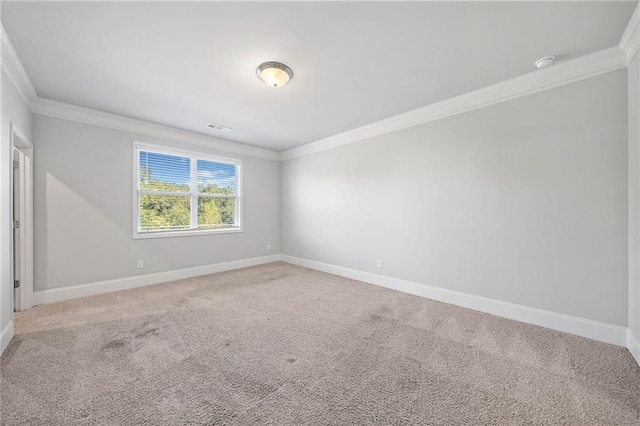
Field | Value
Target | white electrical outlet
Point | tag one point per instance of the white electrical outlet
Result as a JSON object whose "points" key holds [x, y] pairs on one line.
{"points": [[379, 263], [140, 264], [268, 247]]}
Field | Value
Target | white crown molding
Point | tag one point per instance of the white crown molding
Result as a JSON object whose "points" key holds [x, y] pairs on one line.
{"points": [[557, 75], [72, 292], [630, 40], [591, 329], [12, 65], [563, 73], [66, 111], [18, 75]]}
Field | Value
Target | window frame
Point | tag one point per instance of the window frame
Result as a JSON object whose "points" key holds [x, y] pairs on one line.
{"points": [[193, 193]]}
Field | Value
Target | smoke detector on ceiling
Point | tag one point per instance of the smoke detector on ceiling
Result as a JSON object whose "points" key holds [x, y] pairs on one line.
{"points": [[544, 62], [219, 127]]}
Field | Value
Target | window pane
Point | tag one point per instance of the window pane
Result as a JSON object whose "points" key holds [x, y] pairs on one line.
{"points": [[216, 178], [162, 172], [164, 212], [216, 212]]}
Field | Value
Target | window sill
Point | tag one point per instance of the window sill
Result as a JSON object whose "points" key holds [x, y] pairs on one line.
{"points": [[185, 233]]}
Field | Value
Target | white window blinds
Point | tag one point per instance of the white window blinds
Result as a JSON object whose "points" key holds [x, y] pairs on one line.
{"points": [[184, 191]]}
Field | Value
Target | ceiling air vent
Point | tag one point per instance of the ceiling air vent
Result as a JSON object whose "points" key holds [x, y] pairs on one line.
{"points": [[219, 127]]}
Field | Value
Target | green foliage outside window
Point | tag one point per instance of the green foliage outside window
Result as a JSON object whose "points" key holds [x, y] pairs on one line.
{"points": [[164, 212], [170, 212]]}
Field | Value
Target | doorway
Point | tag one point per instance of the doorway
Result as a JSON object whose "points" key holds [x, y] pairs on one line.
{"points": [[22, 220]]}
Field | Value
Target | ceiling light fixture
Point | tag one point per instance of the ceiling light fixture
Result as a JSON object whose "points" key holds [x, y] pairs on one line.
{"points": [[544, 62], [274, 73]]}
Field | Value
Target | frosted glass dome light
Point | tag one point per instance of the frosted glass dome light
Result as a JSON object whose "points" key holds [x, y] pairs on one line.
{"points": [[274, 73]]}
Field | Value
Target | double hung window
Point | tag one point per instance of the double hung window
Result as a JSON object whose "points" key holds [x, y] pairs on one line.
{"points": [[185, 193]]}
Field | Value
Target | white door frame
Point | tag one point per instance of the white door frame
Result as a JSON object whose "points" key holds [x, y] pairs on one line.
{"points": [[20, 142]]}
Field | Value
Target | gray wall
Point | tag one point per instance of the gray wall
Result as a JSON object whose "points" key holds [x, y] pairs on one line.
{"points": [[524, 201], [634, 195], [83, 209], [14, 110]]}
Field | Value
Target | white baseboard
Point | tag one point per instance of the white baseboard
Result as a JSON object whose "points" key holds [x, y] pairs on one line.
{"points": [[633, 345], [5, 336], [596, 330], [72, 292]]}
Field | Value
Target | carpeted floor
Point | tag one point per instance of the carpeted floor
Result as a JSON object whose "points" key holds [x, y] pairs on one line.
{"points": [[280, 344]]}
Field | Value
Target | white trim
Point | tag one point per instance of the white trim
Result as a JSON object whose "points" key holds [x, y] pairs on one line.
{"points": [[66, 111], [630, 40], [12, 65], [72, 292], [185, 232], [596, 330], [20, 142], [560, 74], [633, 345], [163, 149], [5, 336], [193, 193], [16, 72]]}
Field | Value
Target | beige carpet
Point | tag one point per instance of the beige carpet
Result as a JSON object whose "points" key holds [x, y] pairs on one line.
{"points": [[280, 344]]}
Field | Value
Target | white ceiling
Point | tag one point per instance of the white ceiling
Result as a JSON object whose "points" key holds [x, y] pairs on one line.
{"points": [[187, 64]]}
